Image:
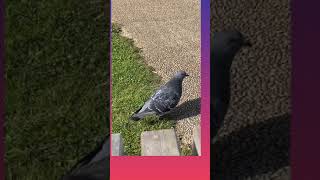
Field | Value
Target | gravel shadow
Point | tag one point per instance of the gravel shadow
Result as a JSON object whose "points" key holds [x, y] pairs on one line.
{"points": [[252, 151], [185, 110]]}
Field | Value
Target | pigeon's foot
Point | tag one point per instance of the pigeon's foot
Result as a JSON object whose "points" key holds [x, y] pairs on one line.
{"points": [[152, 122], [164, 115]]}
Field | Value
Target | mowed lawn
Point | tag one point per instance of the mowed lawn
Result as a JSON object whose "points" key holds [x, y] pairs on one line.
{"points": [[133, 82], [57, 85]]}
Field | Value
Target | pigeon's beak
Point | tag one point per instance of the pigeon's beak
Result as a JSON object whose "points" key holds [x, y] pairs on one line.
{"points": [[187, 74]]}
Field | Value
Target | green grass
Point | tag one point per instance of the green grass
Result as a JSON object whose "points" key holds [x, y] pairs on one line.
{"points": [[133, 82], [56, 85]]}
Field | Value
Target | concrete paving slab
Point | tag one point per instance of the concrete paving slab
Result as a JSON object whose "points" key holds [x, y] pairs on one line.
{"points": [[159, 143]]}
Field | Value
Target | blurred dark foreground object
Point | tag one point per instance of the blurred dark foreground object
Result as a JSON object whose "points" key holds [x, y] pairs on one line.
{"points": [[94, 166]]}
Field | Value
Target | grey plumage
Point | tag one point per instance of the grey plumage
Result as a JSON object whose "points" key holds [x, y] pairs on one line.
{"points": [[226, 44], [164, 99]]}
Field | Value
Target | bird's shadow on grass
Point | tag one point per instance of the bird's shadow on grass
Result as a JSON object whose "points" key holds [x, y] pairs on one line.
{"points": [[185, 110], [253, 150]]}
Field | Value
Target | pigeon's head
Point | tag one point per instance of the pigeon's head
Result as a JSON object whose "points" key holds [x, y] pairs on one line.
{"points": [[227, 43], [181, 74]]}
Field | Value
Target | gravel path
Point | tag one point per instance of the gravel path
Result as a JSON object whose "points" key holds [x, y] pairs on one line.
{"points": [[169, 34], [255, 139]]}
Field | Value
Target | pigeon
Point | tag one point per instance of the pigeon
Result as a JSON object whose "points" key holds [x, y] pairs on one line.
{"points": [[94, 166], [226, 45], [164, 99]]}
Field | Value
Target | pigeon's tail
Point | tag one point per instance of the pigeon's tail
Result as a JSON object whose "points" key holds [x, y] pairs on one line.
{"points": [[140, 115], [134, 117], [101, 152]]}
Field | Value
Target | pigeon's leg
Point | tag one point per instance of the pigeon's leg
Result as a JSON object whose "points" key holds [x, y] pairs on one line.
{"points": [[152, 122], [163, 115]]}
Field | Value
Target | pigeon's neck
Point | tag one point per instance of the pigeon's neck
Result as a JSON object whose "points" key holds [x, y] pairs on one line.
{"points": [[175, 82]]}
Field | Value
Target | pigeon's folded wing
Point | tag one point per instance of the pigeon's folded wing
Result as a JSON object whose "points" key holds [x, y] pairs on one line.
{"points": [[164, 100]]}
